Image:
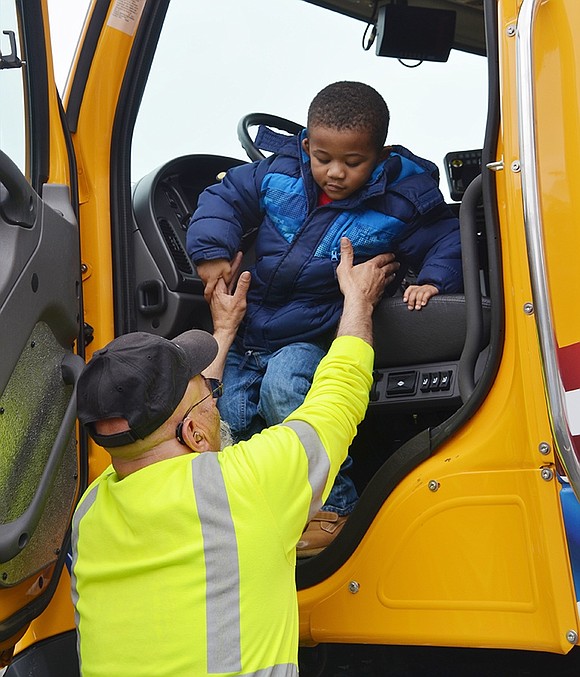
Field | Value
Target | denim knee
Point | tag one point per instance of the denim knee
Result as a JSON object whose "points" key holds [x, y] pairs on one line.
{"points": [[287, 380], [238, 405]]}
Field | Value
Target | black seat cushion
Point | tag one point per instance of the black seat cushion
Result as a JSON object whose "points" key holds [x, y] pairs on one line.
{"points": [[434, 334]]}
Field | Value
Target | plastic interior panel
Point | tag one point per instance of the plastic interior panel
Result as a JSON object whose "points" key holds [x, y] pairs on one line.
{"points": [[33, 406]]}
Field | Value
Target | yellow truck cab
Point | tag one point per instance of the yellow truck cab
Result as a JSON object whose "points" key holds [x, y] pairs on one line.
{"points": [[467, 531]]}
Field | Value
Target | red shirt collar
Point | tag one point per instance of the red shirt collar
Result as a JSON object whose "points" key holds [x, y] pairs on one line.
{"points": [[323, 199]]}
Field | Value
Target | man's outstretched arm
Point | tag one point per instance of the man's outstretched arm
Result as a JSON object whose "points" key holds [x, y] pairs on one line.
{"points": [[362, 286]]}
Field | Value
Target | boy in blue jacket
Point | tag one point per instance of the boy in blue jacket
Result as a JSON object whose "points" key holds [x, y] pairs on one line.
{"points": [[335, 179]]}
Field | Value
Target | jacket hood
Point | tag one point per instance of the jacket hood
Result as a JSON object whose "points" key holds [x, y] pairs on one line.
{"points": [[277, 142]]}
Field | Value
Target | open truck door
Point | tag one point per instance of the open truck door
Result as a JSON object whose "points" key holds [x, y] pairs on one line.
{"points": [[39, 325]]}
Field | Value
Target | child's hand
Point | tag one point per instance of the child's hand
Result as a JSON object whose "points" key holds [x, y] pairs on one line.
{"points": [[211, 271], [417, 295]]}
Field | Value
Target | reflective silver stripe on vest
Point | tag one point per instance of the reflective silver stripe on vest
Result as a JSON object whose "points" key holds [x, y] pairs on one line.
{"points": [[286, 670], [318, 462], [221, 565], [79, 514]]}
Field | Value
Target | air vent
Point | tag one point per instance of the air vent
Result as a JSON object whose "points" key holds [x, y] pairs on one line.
{"points": [[175, 247]]}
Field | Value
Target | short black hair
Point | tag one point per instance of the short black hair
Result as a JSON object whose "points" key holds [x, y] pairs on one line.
{"points": [[351, 105]]}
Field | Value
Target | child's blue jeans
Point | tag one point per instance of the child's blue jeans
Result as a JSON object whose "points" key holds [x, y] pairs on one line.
{"points": [[262, 388]]}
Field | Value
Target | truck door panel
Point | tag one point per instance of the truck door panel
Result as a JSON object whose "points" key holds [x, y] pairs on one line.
{"points": [[39, 325]]}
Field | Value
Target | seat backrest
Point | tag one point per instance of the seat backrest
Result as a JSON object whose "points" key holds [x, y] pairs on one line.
{"points": [[434, 334]]}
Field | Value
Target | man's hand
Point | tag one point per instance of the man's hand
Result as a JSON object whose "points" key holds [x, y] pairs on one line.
{"points": [[367, 280], [362, 286], [227, 311], [416, 296], [227, 308]]}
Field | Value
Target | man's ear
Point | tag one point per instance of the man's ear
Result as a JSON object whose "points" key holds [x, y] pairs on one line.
{"points": [[195, 439], [306, 146]]}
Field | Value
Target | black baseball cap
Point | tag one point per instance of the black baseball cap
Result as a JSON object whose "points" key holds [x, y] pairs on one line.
{"points": [[140, 377]]}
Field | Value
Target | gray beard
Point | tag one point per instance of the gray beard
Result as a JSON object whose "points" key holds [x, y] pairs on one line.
{"points": [[226, 437]]}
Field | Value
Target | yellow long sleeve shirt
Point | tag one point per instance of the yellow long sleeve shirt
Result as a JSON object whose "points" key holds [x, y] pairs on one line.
{"points": [[187, 567]]}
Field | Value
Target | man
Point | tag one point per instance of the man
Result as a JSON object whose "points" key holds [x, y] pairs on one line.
{"points": [[183, 558]]}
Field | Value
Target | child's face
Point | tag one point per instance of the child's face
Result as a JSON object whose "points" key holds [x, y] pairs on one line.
{"points": [[341, 161]]}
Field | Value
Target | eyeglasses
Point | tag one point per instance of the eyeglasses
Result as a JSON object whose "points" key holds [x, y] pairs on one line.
{"points": [[216, 389]]}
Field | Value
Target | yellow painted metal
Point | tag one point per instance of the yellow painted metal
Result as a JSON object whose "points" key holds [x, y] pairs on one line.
{"points": [[92, 144], [13, 599], [480, 559], [557, 63], [59, 167], [477, 563], [57, 618]]}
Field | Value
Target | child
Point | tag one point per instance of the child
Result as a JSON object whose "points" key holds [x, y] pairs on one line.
{"points": [[334, 179]]}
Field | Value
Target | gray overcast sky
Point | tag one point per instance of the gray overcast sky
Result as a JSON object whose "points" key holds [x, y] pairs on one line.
{"points": [[259, 55]]}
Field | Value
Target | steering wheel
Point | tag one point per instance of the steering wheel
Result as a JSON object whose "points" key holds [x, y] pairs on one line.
{"points": [[255, 119]]}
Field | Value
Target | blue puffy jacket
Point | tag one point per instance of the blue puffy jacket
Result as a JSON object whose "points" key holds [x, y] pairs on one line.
{"points": [[294, 295]]}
